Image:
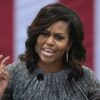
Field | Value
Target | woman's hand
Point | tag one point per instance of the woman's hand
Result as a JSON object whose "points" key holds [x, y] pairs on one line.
{"points": [[4, 75]]}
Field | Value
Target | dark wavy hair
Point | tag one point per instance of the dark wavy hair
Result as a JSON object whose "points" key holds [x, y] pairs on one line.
{"points": [[48, 15]]}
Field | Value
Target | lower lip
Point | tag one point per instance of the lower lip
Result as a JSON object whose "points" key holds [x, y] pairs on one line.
{"points": [[47, 53]]}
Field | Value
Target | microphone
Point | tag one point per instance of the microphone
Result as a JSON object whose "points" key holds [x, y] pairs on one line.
{"points": [[40, 77]]}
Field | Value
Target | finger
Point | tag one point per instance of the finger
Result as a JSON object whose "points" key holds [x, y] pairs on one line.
{"points": [[3, 62], [1, 56], [4, 74]]}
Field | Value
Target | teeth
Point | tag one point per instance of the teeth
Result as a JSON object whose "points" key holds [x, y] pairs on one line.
{"points": [[48, 50]]}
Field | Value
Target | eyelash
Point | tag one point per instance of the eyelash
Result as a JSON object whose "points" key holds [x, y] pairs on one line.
{"points": [[45, 34], [56, 36]]}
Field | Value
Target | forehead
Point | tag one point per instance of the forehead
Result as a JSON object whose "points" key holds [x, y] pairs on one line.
{"points": [[59, 25]]}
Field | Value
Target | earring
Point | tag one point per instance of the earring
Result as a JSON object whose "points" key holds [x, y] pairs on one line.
{"points": [[67, 56]]}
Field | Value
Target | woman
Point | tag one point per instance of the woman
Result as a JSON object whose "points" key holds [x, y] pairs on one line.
{"points": [[51, 67]]}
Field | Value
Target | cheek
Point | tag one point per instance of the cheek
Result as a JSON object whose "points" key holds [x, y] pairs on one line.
{"points": [[39, 41], [62, 49], [37, 46], [63, 46]]}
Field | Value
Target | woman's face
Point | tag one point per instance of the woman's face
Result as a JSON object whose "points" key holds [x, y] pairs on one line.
{"points": [[53, 43]]}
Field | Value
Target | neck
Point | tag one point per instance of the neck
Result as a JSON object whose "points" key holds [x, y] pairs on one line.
{"points": [[50, 67]]}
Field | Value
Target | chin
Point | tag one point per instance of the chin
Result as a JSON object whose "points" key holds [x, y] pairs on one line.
{"points": [[47, 60]]}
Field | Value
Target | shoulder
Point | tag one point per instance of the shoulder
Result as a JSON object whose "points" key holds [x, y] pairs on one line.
{"points": [[93, 84], [17, 66], [90, 78], [89, 74], [18, 72], [89, 84]]}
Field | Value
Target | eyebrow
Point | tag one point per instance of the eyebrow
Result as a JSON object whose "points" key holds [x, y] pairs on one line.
{"points": [[60, 34], [54, 32]]}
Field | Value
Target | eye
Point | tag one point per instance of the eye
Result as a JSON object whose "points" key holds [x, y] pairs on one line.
{"points": [[45, 33], [59, 37]]}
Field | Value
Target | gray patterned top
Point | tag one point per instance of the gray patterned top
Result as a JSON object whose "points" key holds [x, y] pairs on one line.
{"points": [[54, 86]]}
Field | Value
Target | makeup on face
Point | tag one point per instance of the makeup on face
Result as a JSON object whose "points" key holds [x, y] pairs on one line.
{"points": [[53, 42]]}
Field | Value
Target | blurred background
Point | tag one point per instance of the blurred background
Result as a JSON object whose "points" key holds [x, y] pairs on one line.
{"points": [[17, 15]]}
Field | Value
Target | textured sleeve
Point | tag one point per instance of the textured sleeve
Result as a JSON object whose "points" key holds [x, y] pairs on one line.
{"points": [[93, 84], [8, 92]]}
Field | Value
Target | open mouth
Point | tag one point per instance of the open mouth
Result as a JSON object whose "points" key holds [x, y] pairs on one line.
{"points": [[48, 52]]}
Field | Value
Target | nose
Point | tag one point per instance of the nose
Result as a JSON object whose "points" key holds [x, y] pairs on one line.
{"points": [[50, 41]]}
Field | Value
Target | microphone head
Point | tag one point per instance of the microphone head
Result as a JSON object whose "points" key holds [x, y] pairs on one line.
{"points": [[40, 77]]}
